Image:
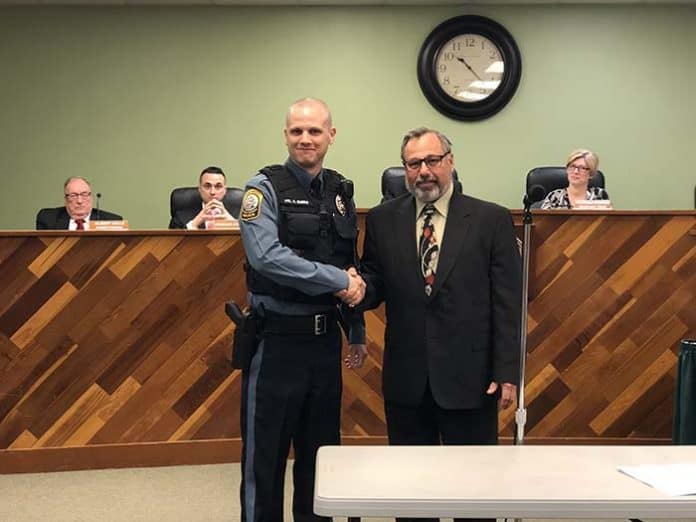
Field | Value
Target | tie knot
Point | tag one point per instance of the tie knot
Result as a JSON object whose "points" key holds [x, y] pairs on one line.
{"points": [[429, 210]]}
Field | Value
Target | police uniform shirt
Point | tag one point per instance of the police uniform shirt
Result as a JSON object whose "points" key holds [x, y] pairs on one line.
{"points": [[278, 262]]}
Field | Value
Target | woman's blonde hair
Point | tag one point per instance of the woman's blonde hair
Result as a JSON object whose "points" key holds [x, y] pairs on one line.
{"points": [[591, 159]]}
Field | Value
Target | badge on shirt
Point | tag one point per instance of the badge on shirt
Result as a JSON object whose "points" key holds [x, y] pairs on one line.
{"points": [[340, 205], [251, 204]]}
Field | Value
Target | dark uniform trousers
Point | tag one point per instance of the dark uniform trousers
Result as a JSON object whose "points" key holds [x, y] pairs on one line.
{"points": [[427, 424], [292, 392]]}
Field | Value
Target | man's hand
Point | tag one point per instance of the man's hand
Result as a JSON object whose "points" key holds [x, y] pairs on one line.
{"points": [[357, 353], [507, 395], [356, 288], [213, 209]]}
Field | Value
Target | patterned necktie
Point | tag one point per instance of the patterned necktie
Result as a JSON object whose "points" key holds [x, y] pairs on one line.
{"points": [[427, 249], [80, 224]]}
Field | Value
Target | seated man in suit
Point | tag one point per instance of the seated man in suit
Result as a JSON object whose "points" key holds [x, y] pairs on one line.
{"points": [[212, 188], [77, 212]]}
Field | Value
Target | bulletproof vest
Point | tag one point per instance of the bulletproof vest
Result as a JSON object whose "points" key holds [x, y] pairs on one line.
{"points": [[318, 227]]}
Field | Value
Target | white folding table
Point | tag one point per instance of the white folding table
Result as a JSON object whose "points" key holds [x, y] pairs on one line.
{"points": [[495, 481]]}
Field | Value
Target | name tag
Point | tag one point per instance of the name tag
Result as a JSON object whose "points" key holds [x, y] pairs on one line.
{"points": [[593, 204], [296, 202], [108, 225]]}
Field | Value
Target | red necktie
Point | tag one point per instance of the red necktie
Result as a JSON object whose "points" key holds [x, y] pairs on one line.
{"points": [[80, 224], [427, 249]]}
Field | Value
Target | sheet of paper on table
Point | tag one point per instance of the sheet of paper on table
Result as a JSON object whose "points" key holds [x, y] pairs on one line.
{"points": [[672, 479]]}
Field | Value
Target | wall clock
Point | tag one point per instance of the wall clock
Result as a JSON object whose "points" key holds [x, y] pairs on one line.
{"points": [[469, 67]]}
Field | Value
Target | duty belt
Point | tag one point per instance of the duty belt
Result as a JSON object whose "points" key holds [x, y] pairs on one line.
{"points": [[315, 324]]}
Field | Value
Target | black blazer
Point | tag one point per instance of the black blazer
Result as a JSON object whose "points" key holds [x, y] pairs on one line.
{"points": [[59, 219], [466, 333], [183, 216]]}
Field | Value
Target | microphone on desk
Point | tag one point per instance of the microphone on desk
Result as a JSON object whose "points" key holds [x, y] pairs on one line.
{"points": [[534, 194], [98, 214]]}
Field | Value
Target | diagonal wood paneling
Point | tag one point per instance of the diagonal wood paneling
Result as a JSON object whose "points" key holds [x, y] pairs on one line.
{"points": [[115, 337], [121, 338], [611, 296]]}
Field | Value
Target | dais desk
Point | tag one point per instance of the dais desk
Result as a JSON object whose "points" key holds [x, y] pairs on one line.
{"points": [[114, 346], [494, 481]]}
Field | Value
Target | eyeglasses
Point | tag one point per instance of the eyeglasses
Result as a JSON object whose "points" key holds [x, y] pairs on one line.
{"points": [[580, 168], [73, 196], [430, 162], [210, 186]]}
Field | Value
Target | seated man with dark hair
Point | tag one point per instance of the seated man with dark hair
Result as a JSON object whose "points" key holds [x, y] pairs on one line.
{"points": [[77, 212], [212, 189]]}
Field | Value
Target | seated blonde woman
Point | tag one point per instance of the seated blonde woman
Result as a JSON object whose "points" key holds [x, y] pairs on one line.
{"points": [[582, 164]]}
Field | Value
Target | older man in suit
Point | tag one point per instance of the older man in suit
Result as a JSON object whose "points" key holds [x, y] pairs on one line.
{"points": [[77, 212], [448, 269]]}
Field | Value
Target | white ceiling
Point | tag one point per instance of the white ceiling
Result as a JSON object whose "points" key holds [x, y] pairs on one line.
{"points": [[324, 2]]}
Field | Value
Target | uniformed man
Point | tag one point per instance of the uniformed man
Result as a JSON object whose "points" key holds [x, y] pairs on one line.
{"points": [[299, 228]]}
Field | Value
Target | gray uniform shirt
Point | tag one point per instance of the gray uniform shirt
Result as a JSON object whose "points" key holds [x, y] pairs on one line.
{"points": [[282, 265]]}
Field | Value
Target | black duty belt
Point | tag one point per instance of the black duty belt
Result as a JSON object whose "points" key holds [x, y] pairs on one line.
{"points": [[315, 324]]}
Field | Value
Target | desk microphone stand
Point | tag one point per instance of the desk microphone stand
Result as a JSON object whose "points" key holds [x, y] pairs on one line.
{"points": [[521, 412]]}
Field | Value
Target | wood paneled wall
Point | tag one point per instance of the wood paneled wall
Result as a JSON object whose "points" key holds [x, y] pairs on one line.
{"points": [[114, 346], [611, 296]]}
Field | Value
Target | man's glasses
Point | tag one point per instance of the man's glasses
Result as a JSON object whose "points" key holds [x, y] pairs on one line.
{"points": [[210, 186], [73, 196], [580, 168], [430, 162]]}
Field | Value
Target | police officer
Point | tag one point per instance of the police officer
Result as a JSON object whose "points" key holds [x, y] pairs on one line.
{"points": [[299, 228]]}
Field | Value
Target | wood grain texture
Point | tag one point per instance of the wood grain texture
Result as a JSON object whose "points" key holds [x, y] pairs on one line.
{"points": [[611, 296], [109, 339], [119, 340]]}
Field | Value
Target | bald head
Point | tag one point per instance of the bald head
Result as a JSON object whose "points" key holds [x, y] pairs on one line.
{"points": [[308, 133], [305, 105]]}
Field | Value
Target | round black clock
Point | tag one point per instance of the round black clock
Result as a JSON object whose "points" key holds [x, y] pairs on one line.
{"points": [[469, 67]]}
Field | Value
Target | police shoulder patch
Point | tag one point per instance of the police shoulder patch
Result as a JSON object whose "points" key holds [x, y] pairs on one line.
{"points": [[251, 204], [340, 205]]}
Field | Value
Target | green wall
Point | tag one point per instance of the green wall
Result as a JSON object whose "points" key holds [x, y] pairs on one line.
{"points": [[138, 100]]}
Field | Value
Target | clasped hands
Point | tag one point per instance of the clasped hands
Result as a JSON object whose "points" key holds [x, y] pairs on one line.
{"points": [[356, 288], [213, 209]]}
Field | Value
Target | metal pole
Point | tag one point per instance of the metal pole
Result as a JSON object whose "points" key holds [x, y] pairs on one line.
{"points": [[521, 412]]}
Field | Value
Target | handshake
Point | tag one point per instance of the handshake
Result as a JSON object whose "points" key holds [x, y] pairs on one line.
{"points": [[356, 288]]}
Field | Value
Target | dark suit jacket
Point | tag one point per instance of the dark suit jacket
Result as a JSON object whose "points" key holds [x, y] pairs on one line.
{"points": [[59, 219], [183, 216], [466, 333]]}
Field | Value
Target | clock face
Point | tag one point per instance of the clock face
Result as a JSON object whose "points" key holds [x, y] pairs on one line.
{"points": [[469, 67]]}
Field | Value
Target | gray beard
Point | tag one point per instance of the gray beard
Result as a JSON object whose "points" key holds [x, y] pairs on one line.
{"points": [[425, 196]]}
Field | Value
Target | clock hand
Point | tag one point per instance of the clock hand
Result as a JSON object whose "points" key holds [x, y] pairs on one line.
{"points": [[468, 67]]}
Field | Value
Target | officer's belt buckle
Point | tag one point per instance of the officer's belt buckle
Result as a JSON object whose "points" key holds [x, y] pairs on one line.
{"points": [[320, 324]]}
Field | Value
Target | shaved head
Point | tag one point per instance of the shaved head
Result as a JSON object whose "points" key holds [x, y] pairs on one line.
{"points": [[304, 104]]}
